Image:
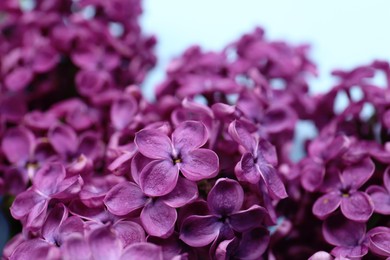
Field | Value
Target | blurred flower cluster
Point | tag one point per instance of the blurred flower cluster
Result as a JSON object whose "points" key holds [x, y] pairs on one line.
{"points": [[93, 170]]}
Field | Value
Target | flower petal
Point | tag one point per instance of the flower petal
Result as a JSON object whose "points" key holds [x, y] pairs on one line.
{"points": [[226, 197], [246, 220], [380, 243], [158, 219], [53, 221], [122, 112], [242, 136], [339, 231], [24, 202], [153, 144], [189, 135], [358, 206], [63, 139], [185, 192], [48, 179], [355, 176], [198, 231], [246, 169], [129, 232], [200, 164], [326, 204], [312, 175], [141, 251], [158, 178], [75, 248], [381, 199], [124, 198], [272, 180], [253, 244], [17, 145], [104, 244]]}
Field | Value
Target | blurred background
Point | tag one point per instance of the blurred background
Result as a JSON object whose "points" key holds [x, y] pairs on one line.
{"points": [[343, 34]]}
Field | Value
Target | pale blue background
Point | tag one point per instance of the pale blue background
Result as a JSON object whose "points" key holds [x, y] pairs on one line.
{"points": [[343, 33]]}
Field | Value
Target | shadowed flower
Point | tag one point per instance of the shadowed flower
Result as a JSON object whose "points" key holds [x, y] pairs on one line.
{"points": [[224, 201], [355, 205]]}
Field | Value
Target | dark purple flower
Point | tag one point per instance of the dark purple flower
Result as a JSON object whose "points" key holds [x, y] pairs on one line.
{"points": [[224, 201], [183, 154], [257, 162], [348, 236], [355, 205]]}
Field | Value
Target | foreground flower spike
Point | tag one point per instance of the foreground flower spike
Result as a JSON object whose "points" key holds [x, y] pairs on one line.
{"points": [[257, 162], [224, 201], [183, 154], [355, 205]]}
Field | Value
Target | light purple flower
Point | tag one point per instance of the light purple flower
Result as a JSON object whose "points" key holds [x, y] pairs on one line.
{"points": [[355, 205], [224, 201], [180, 153], [379, 238]]}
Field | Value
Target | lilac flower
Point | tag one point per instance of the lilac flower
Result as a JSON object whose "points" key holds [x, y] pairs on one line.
{"points": [[348, 236], [224, 201], [183, 154], [381, 195], [158, 215], [257, 162], [252, 245], [50, 182], [355, 205]]}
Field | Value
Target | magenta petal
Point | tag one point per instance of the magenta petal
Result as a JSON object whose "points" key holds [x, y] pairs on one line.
{"points": [[153, 144], [246, 220], [104, 244], [185, 192], [158, 219], [198, 231], [35, 249], [141, 251], [75, 248], [48, 179], [226, 197], [326, 204], [158, 178], [357, 206], [386, 179], [381, 199], [63, 139], [17, 145], [246, 169], [380, 243], [129, 232], [124, 198], [351, 252], [19, 78], [189, 135], [200, 164], [339, 231], [45, 59], [241, 135], [312, 175], [272, 180], [25, 202], [53, 221], [355, 176], [253, 244], [123, 111]]}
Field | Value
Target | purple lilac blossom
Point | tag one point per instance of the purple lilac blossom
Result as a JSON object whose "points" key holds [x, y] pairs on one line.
{"points": [[92, 170]]}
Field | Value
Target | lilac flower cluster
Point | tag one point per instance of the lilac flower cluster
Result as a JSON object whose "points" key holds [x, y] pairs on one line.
{"points": [[95, 171]]}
